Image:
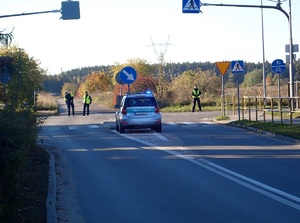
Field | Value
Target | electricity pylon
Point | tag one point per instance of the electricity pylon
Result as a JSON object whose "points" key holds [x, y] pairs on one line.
{"points": [[161, 60], [161, 54]]}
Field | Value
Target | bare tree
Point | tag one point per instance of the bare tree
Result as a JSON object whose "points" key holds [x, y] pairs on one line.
{"points": [[5, 38]]}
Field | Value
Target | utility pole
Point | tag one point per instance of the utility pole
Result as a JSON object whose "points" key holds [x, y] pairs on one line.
{"points": [[263, 51]]}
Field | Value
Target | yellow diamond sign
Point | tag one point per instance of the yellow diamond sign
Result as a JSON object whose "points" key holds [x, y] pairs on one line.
{"points": [[223, 66]]}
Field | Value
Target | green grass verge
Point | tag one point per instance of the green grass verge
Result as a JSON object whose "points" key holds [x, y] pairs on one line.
{"points": [[221, 117], [188, 108], [292, 131]]}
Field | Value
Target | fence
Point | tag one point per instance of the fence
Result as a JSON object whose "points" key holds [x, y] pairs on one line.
{"points": [[263, 107]]}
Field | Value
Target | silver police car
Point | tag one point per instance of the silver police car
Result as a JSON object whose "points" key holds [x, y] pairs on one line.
{"points": [[138, 110]]}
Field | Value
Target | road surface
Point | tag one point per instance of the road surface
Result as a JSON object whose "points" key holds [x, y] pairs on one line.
{"points": [[193, 171]]}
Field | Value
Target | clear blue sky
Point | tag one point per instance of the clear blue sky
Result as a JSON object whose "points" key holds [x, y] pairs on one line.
{"points": [[111, 31]]}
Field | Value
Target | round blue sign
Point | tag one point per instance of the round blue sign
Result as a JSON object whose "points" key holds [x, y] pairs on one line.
{"points": [[278, 66], [128, 75]]}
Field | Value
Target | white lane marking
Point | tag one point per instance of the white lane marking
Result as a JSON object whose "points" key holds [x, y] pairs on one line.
{"points": [[73, 127], [93, 126], [282, 193], [149, 139], [171, 123], [192, 124], [271, 192], [261, 188], [189, 124]]}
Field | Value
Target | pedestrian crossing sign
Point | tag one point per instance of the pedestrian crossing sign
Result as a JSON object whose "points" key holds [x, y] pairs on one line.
{"points": [[237, 66], [191, 6]]}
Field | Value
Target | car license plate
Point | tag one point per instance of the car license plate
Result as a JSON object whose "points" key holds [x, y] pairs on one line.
{"points": [[140, 113]]}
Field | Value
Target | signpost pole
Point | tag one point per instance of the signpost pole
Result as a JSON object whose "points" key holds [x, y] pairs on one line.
{"points": [[223, 66], [237, 67], [263, 52], [238, 96], [291, 58], [279, 86], [223, 97]]}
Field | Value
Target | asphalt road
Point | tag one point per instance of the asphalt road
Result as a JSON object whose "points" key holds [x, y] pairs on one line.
{"points": [[193, 171]]}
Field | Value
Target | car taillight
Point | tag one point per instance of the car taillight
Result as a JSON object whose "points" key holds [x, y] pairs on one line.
{"points": [[124, 111], [156, 109]]}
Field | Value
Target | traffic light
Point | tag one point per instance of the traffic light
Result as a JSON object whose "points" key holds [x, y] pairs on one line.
{"points": [[70, 10]]}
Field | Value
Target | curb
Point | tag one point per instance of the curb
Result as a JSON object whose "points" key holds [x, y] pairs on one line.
{"points": [[270, 134], [51, 196], [259, 131]]}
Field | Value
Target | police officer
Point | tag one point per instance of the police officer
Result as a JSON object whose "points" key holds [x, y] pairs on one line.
{"points": [[196, 98], [70, 103], [87, 100]]}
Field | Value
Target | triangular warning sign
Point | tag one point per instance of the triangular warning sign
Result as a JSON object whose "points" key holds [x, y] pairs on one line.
{"points": [[191, 5], [223, 66]]}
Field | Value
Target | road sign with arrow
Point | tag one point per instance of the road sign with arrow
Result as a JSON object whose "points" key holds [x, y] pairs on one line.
{"points": [[128, 75]]}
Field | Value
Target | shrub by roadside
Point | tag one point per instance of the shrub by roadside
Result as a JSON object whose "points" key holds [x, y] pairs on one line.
{"points": [[18, 131], [23, 166], [33, 187]]}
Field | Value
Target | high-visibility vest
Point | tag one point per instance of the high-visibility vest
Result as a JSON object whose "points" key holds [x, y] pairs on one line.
{"points": [[196, 93], [86, 99]]}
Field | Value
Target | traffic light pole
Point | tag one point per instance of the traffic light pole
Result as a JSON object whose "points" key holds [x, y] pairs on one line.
{"points": [[29, 13], [289, 17], [278, 7], [69, 10]]}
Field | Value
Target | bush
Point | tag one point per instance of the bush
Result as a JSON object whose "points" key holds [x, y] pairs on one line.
{"points": [[18, 131]]}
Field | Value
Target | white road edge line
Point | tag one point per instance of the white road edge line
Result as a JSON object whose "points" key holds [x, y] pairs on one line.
{"points": [[282, 193], [259, 187], [242, 180]]}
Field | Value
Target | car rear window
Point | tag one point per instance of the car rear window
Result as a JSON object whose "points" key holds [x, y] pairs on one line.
{"points": [[137, 102]]}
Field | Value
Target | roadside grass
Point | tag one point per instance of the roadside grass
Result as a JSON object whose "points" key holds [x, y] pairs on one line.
{"points": [[104, 98], [46, 104], [188, 108], [221, 117], [292, 131]]}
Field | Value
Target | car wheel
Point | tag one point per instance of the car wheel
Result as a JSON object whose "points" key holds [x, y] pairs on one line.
{"points": [[158, 128], [121, 129]]}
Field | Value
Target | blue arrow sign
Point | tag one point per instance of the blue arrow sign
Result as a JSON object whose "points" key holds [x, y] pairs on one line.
{"points": [[191, 6], [128, 75], [278, 66], [237, 66]]}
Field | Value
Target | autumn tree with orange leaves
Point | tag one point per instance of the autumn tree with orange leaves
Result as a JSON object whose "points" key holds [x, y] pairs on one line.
{"points": [[95, 82]]}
